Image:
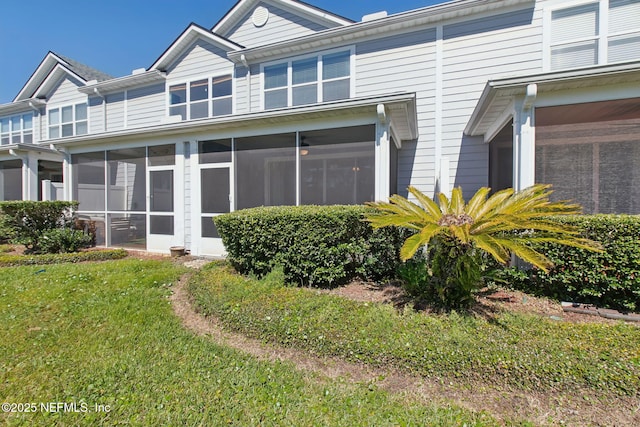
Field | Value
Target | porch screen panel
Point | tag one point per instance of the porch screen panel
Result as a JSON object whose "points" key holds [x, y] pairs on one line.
{"points": [[11, 180], [266, 171], [337, 166], [590, 153], [88, 180], [127, 179]]}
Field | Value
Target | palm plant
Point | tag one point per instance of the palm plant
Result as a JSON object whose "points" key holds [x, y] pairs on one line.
{"points": [[458, 235]]}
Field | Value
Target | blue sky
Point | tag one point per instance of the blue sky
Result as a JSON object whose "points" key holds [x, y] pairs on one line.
{"points": [[117, 36]]}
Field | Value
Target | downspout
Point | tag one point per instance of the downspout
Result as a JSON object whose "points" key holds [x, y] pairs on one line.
{"points": [[244, 61]]}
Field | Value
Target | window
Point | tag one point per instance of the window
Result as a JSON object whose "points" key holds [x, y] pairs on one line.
{"points": [[322, 78], [595, 33], [202, 98], [68, 121], [16, 129]]}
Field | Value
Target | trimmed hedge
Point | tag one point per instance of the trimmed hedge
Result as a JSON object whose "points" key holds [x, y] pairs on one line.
{"points": [[7, 260], [608, 279], [315, 245]]}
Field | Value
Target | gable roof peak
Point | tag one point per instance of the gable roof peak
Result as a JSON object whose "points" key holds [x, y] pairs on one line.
{"points": [[242, 7]]}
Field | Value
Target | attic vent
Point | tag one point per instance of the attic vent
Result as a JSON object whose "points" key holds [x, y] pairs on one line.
{"points": [[372, 16], [260, 16]]}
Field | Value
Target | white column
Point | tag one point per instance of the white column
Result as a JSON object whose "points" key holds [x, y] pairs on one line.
{"points": [[524, 138], [179, 194], [382, 155], [444, 177]]}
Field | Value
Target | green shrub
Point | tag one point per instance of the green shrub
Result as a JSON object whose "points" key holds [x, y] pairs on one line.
{"points": [[63, 240], [25, 221], [7, 260], [315, 245], [607, 279]]}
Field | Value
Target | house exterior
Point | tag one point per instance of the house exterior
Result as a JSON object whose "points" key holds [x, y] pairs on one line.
{"points": [[282, 103]]}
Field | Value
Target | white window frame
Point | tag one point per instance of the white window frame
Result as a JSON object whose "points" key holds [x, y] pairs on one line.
{"points": [[19, 134], [74, 121], [602, 37], [320, 81], [209, 100]]}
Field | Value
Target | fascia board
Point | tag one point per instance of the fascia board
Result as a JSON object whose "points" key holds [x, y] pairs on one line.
{"points": [[399, 22], [188, 36], [330, 109], [57, 72]]}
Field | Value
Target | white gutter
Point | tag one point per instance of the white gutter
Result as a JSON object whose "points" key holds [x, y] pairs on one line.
{"points": [[122, 83], [398, 22], [329, 109]]}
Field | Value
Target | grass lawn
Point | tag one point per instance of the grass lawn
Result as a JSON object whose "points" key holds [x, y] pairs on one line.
{"points": [[508, 351], [105, 334]]}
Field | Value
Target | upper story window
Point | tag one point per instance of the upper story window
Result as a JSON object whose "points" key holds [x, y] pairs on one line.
{"points": [[322, 78], [16, 129], [198, 99], [68, 121], [595, 33]]}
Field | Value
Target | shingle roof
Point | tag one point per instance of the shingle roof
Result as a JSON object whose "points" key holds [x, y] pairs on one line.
{"points": [[85, 71]]}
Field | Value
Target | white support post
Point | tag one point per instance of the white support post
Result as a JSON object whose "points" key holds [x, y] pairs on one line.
{"points": [[382, 155], [524, 147]]}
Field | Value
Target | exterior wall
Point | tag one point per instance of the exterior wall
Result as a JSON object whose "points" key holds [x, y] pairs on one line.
{"points": [[282, 25], [202, 59], [96, 114], [405, 63], [66, 92], [145, 105], [115, 104], [475, 51]]}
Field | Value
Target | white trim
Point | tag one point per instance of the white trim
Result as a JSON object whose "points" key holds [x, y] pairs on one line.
{"points": [[184, 40], [319, 81], [438, 101], [243, 7], [187, 82]]}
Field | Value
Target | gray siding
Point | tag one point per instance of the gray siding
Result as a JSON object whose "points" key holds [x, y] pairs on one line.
{"points": [[65, 93], [96, 115], [256, 88], [282, 25], [405, 63], [241, 90], [202, 59], [115, 111], [475, 51], [146, 105]]}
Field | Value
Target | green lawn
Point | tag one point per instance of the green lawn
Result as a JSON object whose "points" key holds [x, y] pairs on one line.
{"points": [[105, 334], [525, 352]]}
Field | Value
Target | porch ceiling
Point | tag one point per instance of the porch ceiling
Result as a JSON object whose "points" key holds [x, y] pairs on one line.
{"points": [[497, 100]]}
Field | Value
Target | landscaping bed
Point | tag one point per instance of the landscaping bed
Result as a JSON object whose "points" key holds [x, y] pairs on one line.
{"points": [[509, 348]]}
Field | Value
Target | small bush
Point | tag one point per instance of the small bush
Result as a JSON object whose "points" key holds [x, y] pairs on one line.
{"points": [[7, 260], [315, 245], [607, 279], [25, 221], [63, 240]]}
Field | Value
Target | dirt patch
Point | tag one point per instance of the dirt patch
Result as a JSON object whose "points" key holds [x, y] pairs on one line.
{"points": [[489, 302], [581, 408]]}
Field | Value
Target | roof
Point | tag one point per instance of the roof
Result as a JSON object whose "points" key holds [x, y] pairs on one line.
{"points": [[188, 36], [52, 62], [495, 103], [84, 71]]}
